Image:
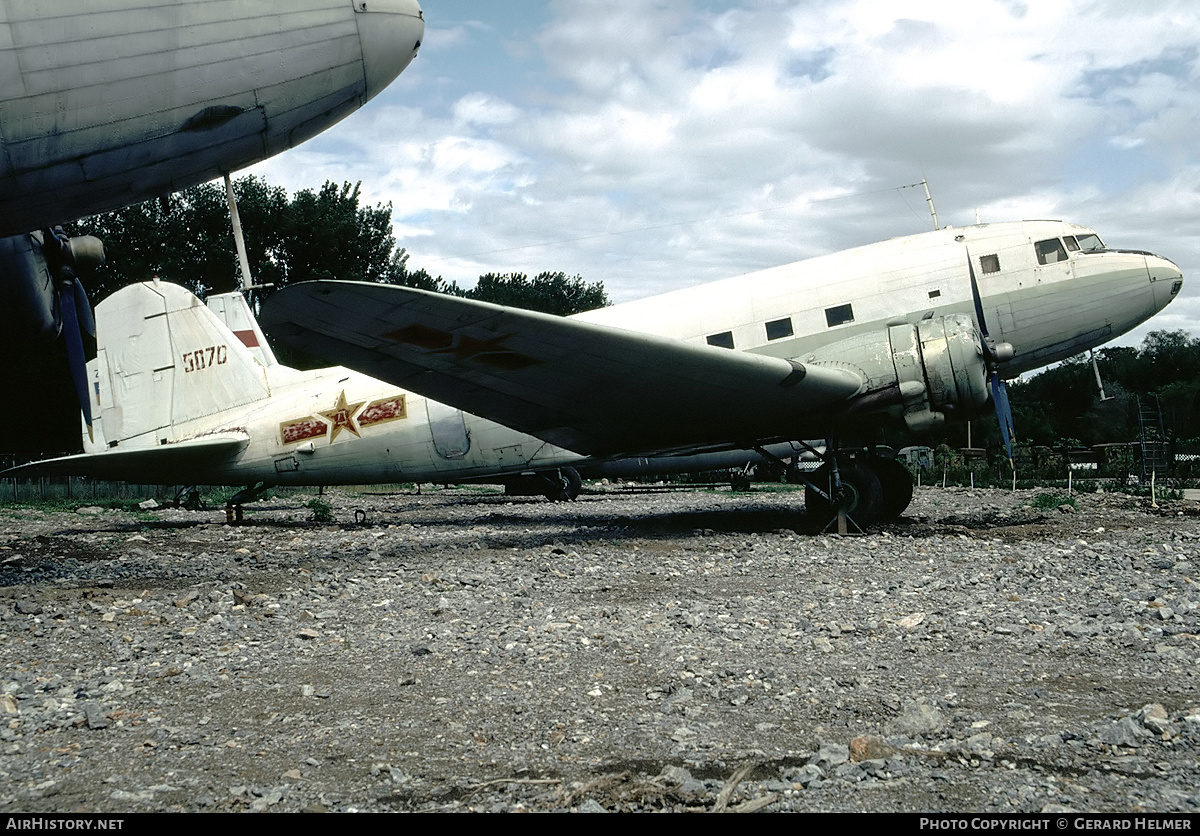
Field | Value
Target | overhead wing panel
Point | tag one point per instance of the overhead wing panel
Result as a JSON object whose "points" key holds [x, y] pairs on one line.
{"points": [[594, 389]]}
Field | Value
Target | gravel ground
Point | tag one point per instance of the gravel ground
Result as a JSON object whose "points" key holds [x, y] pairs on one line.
{"points": [[627, 651]]}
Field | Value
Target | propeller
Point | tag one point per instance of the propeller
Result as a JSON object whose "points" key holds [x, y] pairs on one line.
{"points": [[65, 256], [996, 353]]}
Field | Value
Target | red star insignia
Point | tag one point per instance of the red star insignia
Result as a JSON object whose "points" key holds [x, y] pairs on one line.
{"points": [[341, 417], [489, 352]]}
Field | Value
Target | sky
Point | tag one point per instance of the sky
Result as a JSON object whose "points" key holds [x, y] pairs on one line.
{"points": [[658, 145]]}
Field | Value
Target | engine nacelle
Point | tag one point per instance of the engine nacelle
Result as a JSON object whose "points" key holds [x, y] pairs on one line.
{"points": [[920, 373], [34, 271]]}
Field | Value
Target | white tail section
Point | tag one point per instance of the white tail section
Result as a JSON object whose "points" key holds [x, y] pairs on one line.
{"points": [[231, 309], [164, 364]]}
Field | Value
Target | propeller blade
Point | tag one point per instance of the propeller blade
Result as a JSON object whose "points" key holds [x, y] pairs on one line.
{"points": [[1003, 413], [976, 298], [83, 310], [71, 333]]}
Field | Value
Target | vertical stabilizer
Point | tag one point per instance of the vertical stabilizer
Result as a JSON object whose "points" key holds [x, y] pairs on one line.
{"points": [[167, 367], [231, 309]]}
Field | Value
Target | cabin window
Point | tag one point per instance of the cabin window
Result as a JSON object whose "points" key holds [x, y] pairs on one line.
{"points": [[722, 340], [839, 315], [1050, 251], [779, 329], [933, 294], [989, 264]]}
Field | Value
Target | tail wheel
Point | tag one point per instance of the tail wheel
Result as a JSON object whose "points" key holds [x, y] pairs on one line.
{"points": [[860, 494], [897, 486]]}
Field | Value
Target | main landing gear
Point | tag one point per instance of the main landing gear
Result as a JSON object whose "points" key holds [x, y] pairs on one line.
{"points": [[561, 485], [853, 489]]}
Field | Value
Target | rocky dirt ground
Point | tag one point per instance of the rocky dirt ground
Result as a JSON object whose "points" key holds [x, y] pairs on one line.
{"points": [[628, 651]]}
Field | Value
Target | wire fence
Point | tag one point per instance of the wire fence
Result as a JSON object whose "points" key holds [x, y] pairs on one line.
{"points": [[79, 489]]}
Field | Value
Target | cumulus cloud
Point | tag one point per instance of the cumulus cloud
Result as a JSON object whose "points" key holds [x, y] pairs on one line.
{"points": [[654, 146]]}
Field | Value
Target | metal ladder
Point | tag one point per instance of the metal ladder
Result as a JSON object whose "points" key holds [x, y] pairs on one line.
{"points": [[1155, 457]]}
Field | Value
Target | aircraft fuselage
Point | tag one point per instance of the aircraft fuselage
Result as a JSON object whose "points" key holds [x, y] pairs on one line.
{"points": [[335, 426], [1047, 311], [107, 103], [171, 372]]}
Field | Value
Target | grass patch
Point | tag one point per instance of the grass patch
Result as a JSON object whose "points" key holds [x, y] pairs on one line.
{"points": [[320, 510], [1051, 501]]}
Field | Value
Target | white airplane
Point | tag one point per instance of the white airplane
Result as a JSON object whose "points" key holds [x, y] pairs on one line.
{"points": [[184, 392], [188, 392], [914, 330], [105, 103]]}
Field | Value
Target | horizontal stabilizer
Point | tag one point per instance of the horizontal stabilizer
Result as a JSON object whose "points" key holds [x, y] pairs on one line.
{"points": [[165, 464], [593, 389]]}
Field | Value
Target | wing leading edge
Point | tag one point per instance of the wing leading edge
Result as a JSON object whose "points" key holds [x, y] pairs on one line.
{"points": [[593, 389]]}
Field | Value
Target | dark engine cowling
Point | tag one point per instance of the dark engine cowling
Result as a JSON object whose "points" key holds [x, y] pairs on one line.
{"points": [[27, 292], [35, 270], [921, 374]]}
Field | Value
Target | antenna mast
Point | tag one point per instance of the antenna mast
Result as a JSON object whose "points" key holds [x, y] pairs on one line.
{"points": [[238, 238], [929, 200]]}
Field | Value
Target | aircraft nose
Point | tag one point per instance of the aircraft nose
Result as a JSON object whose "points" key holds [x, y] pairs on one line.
{"points": [[1166, 279], [390, 32]]}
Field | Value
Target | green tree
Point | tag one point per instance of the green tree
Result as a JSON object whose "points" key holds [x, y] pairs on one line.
{"points": [[553, 293], [316, 234], [188, 239], [327, 235]]}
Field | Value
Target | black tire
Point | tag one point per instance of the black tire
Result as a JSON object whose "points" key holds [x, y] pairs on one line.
{"points": [[562, 485], [861, 495], [574, 482], [897, 484]]}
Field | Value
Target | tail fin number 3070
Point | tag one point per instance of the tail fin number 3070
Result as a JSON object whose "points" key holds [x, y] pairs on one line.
{"points": [[214, 355]]}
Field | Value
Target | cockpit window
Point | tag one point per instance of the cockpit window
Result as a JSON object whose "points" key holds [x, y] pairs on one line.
{"points": [[1090, 243], [1072, 244], [1050, 251]]}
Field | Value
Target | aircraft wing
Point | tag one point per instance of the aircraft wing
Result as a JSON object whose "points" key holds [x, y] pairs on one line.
{"points": [[165, 464], [593, 389]]}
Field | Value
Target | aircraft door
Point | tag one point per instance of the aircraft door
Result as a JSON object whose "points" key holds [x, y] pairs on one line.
{"points": [[449, 431], [1053, 262]]}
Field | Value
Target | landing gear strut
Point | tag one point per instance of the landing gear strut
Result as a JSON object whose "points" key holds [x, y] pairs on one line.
{"points": [[844, 491], [233, 506], [188, 498]]}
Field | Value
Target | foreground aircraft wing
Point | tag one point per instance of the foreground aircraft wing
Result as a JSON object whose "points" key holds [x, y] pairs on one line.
{"points": [[593, 389], [145, 464]]}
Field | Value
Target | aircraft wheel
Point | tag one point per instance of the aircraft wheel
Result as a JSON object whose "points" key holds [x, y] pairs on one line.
{"points": [[861, 495], [562, 485], [574, 481], [897, 486]]}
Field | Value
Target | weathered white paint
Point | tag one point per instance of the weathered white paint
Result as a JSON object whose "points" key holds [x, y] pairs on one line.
{"points": [[104, 103]]}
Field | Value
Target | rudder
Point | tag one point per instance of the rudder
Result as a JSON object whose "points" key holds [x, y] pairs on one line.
{"points": [[164, 364]]}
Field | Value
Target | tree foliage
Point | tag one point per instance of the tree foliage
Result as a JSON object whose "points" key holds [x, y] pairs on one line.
{"points": [[188, 239], [1064, 402], [314, 234], [553, 293]]}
